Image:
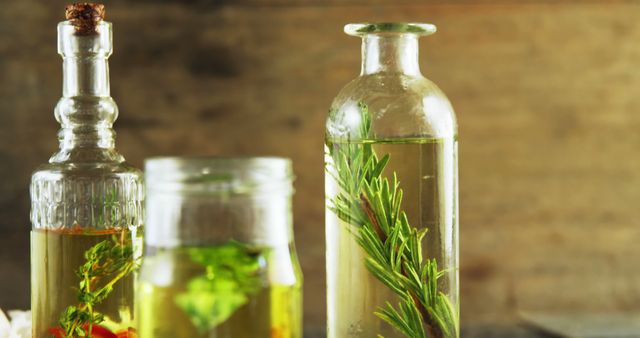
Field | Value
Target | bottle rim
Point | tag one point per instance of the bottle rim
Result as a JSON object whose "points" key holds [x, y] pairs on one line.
{"points": [[219, 175], [364, 28], [70, 43]]}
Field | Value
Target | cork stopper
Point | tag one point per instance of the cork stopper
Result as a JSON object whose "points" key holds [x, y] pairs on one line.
{"points": [[85, 16]]}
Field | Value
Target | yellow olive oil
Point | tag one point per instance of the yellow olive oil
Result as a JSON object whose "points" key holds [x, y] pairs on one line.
{"points": [[222, 291], [427, 173], [56, 259]]}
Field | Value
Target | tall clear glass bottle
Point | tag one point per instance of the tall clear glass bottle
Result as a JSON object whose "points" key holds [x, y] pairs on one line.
{"points": [[219, 255], [391, 195], [87, 202]]}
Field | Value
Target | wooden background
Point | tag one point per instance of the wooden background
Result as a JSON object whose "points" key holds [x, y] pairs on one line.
{"points": [[547, 95]]}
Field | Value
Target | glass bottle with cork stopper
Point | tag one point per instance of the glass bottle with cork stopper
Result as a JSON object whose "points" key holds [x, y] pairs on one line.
{"points": [[87, 202]]}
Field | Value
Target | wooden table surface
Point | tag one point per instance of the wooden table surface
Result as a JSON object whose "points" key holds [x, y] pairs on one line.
{"points": [[476, 331]]}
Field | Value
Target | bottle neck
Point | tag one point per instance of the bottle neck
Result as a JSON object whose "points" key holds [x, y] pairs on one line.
{"points": [[86, 111], [85, 76], [395, 53]]}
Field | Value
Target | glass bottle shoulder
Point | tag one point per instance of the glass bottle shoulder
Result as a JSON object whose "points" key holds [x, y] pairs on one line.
{"points": [[402, 107], [87, 196], [70, 171]]}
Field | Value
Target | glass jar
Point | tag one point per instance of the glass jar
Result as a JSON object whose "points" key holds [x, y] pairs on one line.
{"points": [[219, 255], [392, 195], [86, 205]]}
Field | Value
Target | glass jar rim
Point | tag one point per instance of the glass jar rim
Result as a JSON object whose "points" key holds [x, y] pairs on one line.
{"points": [[364, 28], [219, 175]]}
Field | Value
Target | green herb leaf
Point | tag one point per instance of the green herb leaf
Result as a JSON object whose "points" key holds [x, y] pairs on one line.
{"points": [[232, 275]]}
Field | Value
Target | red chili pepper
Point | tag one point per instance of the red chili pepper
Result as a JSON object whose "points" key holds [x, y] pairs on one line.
{"points": [[57, 332], [129, 333], [97, 331]]}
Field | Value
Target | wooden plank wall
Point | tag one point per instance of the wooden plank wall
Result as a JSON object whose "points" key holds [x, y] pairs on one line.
{"points": [[547, 95]]}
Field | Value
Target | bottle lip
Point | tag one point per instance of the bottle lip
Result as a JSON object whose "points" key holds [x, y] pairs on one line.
{"points": [[100, 26], [364, 28], [219, 175], [70, 43]]}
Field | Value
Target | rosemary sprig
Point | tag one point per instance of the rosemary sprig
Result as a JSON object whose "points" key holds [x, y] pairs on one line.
{"points": [[373, 204], [106, 263]]}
